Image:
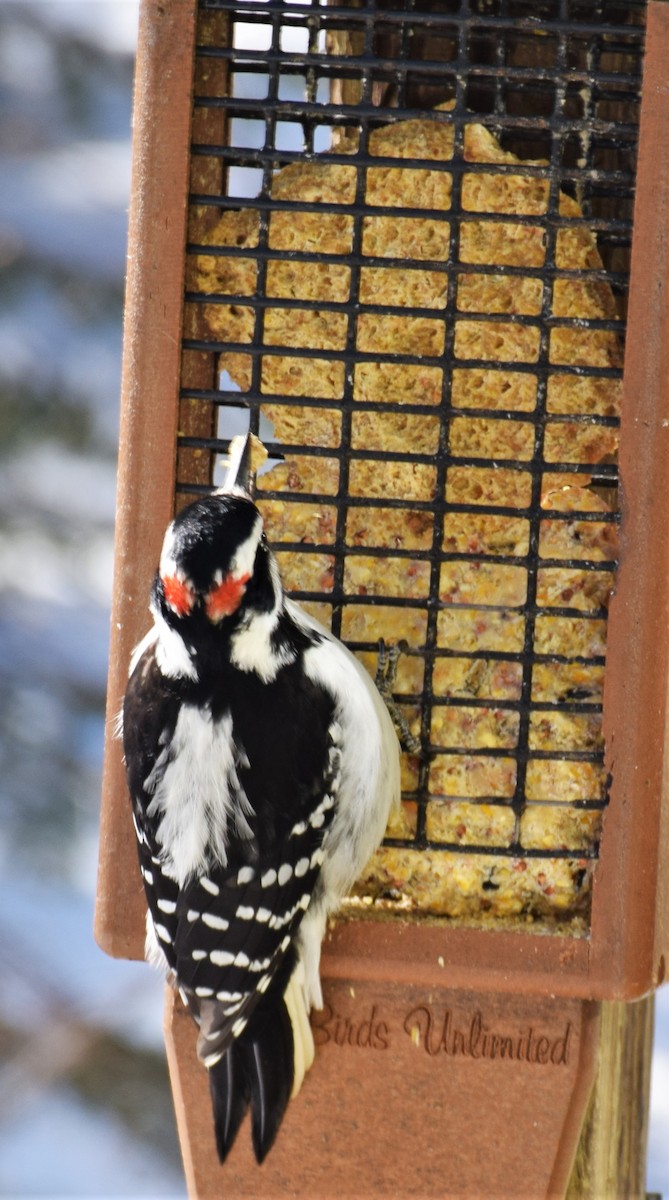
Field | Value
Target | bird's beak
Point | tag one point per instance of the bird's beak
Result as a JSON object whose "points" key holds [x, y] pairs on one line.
{"points": [[238, 477]]}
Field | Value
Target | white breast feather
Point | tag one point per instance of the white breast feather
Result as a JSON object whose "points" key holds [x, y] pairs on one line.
{"points": [[369, 786], [251, 647], [137, 653], [172, 654], [245, 555], [198, 794], [370, 779]]}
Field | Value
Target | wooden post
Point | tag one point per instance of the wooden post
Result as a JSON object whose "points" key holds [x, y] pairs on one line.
{"points": [[611, 1157]]}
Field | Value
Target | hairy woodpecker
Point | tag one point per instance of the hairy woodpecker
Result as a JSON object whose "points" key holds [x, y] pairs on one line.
{"points": [[262, 766]]}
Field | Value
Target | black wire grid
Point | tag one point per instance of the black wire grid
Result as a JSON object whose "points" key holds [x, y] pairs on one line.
{"points": [[553, 80]]}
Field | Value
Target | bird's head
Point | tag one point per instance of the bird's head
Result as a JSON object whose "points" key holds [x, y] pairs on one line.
{"points": [[214, 562], [215, 565]]}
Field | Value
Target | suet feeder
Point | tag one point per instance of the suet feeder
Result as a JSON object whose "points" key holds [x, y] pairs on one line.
{"points": [[420, 248]]}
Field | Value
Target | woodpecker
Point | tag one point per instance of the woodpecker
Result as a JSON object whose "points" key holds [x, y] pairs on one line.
{"points": [[262, 766]]}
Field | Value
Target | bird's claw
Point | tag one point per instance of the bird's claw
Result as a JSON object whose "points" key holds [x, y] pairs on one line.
{"points": [[386, 671]]}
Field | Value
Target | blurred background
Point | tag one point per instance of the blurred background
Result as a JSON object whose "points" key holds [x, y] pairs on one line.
{"points": [[85, 1108]]}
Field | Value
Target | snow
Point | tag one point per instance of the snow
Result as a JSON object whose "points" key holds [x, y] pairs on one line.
{"points": [[40, 919], [657, 1178], [82, 1153], [84, 189], [60, 482], [109, 24]]}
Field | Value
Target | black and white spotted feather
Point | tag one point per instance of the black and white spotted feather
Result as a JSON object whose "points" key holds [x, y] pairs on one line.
{"points": [[262, 765]]}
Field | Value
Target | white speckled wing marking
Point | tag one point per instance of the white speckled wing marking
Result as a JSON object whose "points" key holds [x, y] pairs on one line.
{"points": [[235, 928]]}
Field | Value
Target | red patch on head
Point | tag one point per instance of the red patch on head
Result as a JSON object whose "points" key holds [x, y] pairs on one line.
{"points": [[225, 598], [178, 595]]}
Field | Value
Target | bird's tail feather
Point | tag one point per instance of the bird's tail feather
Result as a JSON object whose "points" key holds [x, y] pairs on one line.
{"points": [[303, 1038], [262, 1070], [229, 1096], [269, 1063]]}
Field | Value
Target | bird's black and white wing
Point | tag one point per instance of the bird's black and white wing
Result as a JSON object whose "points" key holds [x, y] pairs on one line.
{"points": [[225, 909]]}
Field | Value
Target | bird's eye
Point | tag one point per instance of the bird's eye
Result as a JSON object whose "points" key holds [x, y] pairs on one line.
{"points": [[179, 595]]}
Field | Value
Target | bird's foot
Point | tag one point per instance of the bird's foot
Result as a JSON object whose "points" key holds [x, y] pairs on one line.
{"points": [[386, 671]]}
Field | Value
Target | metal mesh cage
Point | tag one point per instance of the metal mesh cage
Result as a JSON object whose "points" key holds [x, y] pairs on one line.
{"points": [[407, 268]]}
